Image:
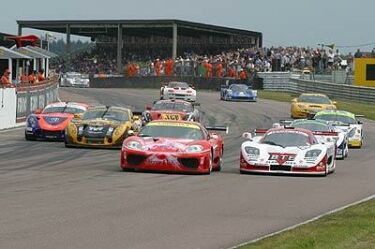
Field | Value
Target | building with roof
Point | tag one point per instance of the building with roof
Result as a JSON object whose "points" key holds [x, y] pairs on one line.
{"points": [[176, 36]]}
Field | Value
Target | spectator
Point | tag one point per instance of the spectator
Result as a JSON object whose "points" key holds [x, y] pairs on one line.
{"points": [[41, 75], [32, 77], [358, 54], [5, 80]]}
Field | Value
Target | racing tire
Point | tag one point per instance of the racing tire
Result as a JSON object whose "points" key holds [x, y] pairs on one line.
{"points": [[210, 165], [127, 170], [220, 163], [29, 137], [67, 145]]}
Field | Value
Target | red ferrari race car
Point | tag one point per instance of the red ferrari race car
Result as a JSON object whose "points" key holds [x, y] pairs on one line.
{"points": [[172, 110], [174, 146], [50, 123]]}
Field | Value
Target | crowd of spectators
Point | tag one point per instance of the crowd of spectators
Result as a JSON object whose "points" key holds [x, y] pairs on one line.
{"points": [[233, 63]]}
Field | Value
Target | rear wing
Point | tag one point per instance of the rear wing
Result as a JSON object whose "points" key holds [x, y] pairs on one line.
{"points": [[260, 131], [359, 116], [326, 133], [218, 128], [195, 104], [137, 113], [285, 122], [224, 86]]}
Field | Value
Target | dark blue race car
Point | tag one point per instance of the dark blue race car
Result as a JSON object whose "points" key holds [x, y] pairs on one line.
{"points": [[238, 92]]}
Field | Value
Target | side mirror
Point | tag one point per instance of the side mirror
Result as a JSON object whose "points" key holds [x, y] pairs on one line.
{"points": [[247, 135], [130, 133], [135, 118], [38, 111], [295, 100], [360, 122], [148, 108], [334, 102], [77, 116]]}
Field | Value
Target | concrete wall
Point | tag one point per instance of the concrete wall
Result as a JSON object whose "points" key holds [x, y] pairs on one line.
{"points": [[8, 107]]}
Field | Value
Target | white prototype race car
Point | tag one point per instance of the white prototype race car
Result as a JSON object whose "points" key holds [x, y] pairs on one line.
{"points": [[287, 151], [322, 131], [178, 90]]}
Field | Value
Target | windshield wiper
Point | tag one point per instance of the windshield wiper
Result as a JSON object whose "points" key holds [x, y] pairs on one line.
{"points": [[272, 143], [105, 112]]}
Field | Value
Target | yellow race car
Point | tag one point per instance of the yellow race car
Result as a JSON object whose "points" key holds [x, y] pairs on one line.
{"points": [[308, 104], [102, 127]]}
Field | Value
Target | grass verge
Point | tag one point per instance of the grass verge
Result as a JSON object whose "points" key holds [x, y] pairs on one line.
{"points": [[352, 228], [368, 110]]}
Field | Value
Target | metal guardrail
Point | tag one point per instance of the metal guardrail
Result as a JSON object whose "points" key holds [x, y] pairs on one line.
{"points": [[31, 97], [285, 83]]}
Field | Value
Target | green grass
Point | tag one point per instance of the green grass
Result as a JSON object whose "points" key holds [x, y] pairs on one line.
{"points": [[368, 110], [352, 228]]}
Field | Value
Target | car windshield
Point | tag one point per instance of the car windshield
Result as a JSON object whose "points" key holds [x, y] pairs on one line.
{"points": [[286, 139], [312, 126], [337, 118], [171, 131], [178, 84], [316, 99], [115, 115], [178, 106], [63, 109], [239, 88]]}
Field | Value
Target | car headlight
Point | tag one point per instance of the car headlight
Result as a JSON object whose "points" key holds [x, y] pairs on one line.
{"points": [[313, 153], [301, 106], [352, 132], [32, 121], [134, 145], [330, 108], [252, 151], [80, 130], [194, 148], [110, 131]]}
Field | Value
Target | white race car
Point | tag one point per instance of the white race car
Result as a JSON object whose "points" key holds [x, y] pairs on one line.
{"points": [[178, 90], [287, 151], [347, 122], [73, 79], [322, 131]]}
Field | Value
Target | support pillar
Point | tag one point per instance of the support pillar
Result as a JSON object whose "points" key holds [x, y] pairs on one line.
{"points": [[174, 40], [119, 49], [47, 68], [67, 49], [19, 30], [10, 65]]}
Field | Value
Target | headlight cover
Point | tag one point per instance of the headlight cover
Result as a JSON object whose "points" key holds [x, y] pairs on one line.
{"points": [[194, 148], [134, 145], [352, 132], [32, 121], [110, 131], [313, 153], [252, 151]]}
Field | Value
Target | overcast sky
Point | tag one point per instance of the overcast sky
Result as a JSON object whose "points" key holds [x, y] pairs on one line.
{"points": [[282, 22]]}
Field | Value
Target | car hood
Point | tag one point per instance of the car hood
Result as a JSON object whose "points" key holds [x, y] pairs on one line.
{"points": [[54, 121], [99, 122], [167, 144]]}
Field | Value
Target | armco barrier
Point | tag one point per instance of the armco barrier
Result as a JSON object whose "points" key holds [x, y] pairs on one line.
{"points": [[31, 97], [8, 106], [156, 82]]}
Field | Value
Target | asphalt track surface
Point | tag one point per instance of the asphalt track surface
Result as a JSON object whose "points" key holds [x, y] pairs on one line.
{"points": [[53, 197]]}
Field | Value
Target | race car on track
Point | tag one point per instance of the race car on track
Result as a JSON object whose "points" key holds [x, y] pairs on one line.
{"points": [[238, 92], [174, 146], [322, 130], [308, 104], [74, 79], [172, 110], [102, 127], [347, 122], [178, 90], [50, 123], [287, 151]]}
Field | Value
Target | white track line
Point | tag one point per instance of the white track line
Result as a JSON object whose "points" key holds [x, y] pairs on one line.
{"points": [[303, 223], [19, 126]]}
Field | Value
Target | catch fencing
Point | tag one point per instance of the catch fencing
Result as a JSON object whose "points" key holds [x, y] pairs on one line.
{"points": [[32, 97]]}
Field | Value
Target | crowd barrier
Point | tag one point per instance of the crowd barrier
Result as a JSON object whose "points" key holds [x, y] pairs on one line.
{"points": [[284, 82], [31, 97], [8, 106]]}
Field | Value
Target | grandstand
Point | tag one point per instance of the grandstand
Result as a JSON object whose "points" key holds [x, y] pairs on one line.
{"points": [[176, 36]]}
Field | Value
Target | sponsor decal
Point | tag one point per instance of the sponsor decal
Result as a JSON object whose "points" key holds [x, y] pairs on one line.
{"points": [[281, 158], [170, 116], [185, 125]]}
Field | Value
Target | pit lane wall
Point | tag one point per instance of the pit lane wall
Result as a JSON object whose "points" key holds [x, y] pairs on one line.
{"points": [[31, 97], [8, 107]]}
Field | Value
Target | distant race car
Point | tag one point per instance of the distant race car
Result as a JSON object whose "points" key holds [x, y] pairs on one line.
{"points": [[287, 151], [178, 90], [238, 92], [347, 122], [50, 123], [102, 127], [308, 104], [174, 146], [73, 79], [322, 130], [172, 110]]}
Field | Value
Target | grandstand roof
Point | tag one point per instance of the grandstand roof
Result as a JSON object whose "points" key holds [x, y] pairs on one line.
{"points": [[85, 27], [6, 53]]}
